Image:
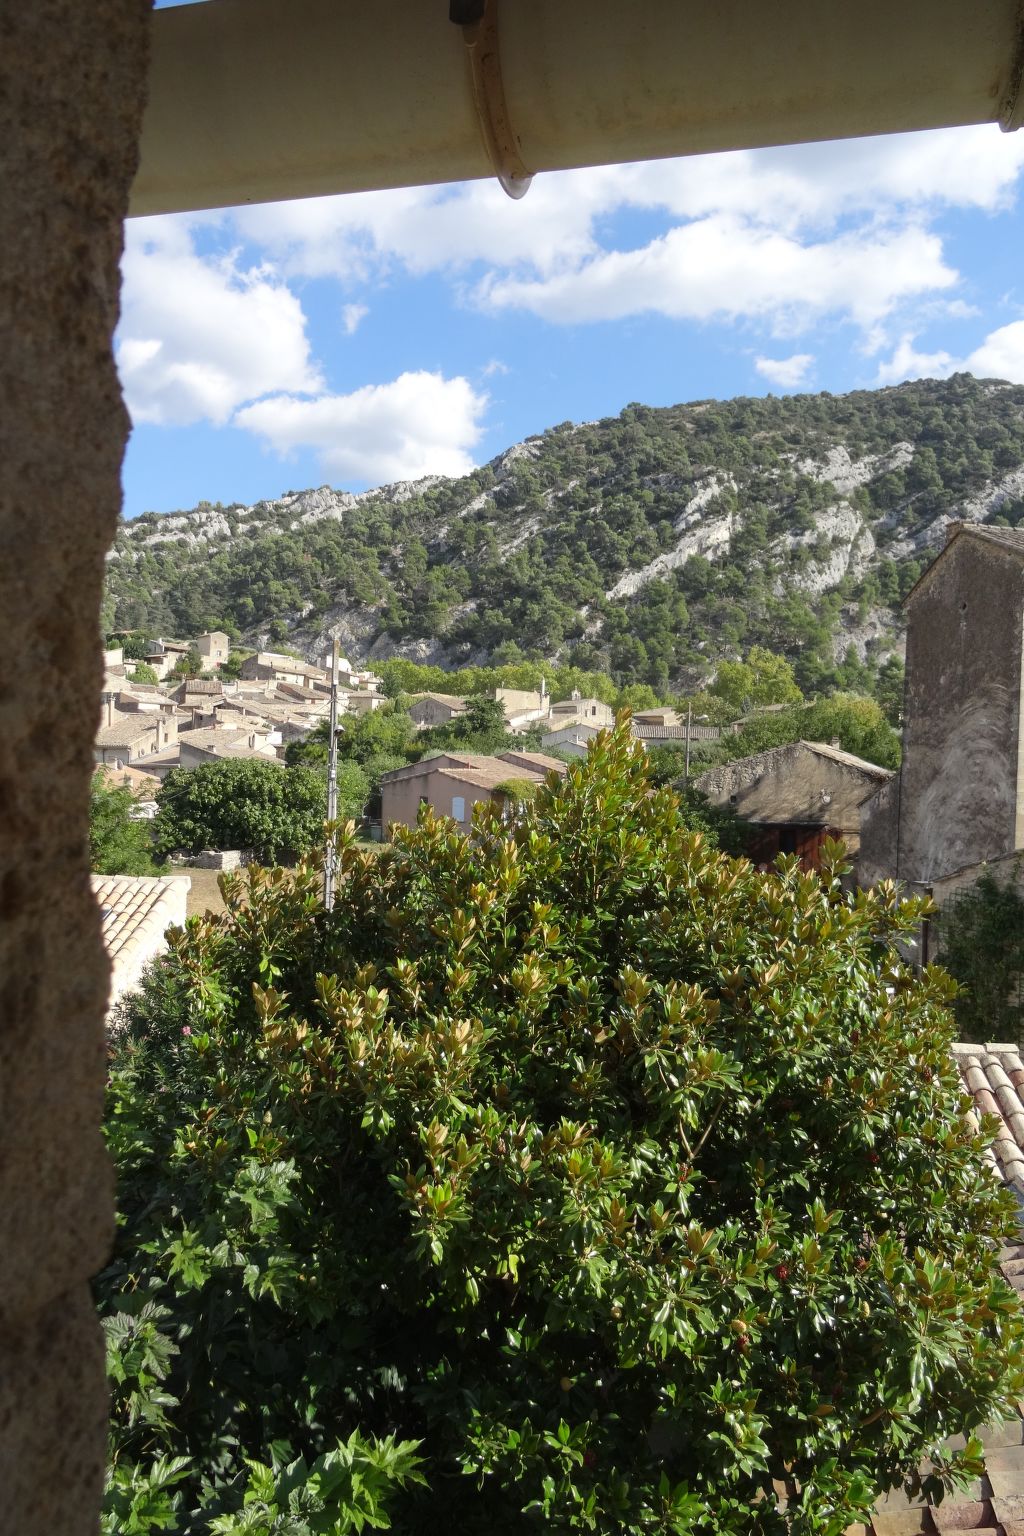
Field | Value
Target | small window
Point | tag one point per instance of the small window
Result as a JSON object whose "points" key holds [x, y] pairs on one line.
{"points": [[593, 709], [458, 808]]}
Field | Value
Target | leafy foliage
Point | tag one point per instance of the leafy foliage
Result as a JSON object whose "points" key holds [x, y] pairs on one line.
{"points": [[856, 723], [763, 678], [615, 1176], [275, 811], [982, 933], [117, 844]]}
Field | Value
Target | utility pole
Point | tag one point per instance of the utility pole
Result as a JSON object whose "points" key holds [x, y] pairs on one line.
{"points": [[332, 780], [689, 718]]}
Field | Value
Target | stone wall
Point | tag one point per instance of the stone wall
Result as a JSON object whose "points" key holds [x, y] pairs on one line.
{"points": [[72, 78], [958, 795]]}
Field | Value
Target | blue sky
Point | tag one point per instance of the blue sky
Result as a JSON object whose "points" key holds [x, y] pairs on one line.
{"points": [[357, 340]]}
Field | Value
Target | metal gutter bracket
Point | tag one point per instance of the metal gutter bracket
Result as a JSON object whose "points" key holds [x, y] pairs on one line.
{"points": [[479, 22], [1011, 112]]}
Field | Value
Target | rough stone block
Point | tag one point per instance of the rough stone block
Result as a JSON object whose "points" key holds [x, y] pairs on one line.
{"points": [[53, 1420]]}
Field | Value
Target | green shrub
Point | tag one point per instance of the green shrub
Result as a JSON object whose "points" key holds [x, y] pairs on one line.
{"points": [[117, 844], [611, 1178], [275, 810], [982, 935]]}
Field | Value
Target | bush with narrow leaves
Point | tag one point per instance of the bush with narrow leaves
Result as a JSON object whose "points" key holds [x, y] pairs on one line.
{"points": [[569, 1176]]}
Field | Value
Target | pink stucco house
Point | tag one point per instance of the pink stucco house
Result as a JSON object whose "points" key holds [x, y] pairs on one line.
{"points": [[453, 782]]}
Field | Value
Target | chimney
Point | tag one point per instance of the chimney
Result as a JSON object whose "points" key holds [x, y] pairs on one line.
{"points": [[953, 527]]}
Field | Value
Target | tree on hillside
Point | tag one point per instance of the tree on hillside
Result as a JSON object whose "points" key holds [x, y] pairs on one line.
{"points": [[142, 672], [763, 678], [276, 811], [118, 845], [889, 689], [566, 1176]]}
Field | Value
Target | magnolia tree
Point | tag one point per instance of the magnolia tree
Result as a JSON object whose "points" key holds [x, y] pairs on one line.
{"points": [[568, 1175]]}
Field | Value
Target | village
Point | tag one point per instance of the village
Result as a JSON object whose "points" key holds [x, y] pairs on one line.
{"points": [[952, 813]]}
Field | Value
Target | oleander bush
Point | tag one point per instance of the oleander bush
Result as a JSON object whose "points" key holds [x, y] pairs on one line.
{"points": [[569, 1176]]}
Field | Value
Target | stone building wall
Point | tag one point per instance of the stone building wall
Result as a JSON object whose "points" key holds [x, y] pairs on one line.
{"points": [[958, 801], [71, 92]]}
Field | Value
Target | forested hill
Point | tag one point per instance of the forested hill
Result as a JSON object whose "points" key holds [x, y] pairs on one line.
{"points": [[650, 544]]}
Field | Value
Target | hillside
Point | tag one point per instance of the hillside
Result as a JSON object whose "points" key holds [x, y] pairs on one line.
{"points": [[649, 544]]}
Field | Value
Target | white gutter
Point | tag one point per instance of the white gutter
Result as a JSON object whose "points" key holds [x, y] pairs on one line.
{"points": [[260, 100]]}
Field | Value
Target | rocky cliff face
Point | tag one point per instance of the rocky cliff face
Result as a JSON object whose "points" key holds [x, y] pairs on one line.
{"points": [[649, 543]]}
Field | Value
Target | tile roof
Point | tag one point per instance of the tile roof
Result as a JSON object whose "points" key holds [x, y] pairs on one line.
{"points": [[200, 685], [1009, 538], [495, 773], [451, 699], [538, 760], [848, 760], [128, 777], [994, 1076], [128, 903], [122, 732], [572, 723], [225, 741], [644, 732], [136, 912]]}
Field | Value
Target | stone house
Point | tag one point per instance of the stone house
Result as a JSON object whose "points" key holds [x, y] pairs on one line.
{"points": [[214, 648], [435, 709], [124, 739], [660, 716], [593, 711], [141, 698], [359, 702], [164, 655], [453, 782], [522, 705], [272, 666], [959, 797], [795, 797], [219, 744], [574, 737]]}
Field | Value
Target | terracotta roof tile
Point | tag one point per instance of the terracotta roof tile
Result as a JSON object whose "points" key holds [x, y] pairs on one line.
{"points": [[993, 1074]]}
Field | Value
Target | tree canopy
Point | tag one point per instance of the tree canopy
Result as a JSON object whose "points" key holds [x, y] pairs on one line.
{"points": [[569, 1175], [118, 845], [276, 811]]}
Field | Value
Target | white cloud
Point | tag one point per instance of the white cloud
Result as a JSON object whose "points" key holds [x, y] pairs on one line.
{"points": [[494, 366], [200, 336], [351, 317], [419, 424], [908, 363], [719, 267], [1000, 356], [787, 372]]}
